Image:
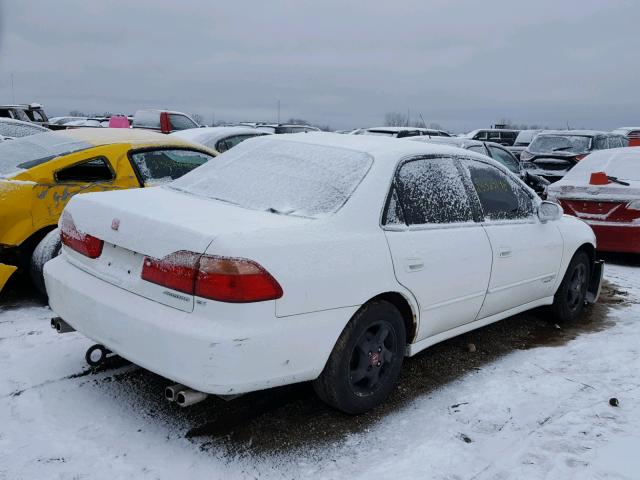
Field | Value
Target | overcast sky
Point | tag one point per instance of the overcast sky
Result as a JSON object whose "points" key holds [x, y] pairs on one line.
{"points": [[464, 64]]}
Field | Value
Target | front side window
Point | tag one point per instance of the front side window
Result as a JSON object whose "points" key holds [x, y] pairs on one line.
{"points": [[602, 143], [94, 170], [162, 166], [432, 191], [501, 198], [181, 122], [505, 158]]}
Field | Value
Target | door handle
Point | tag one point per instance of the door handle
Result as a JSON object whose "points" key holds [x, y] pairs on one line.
{"points": [[504, 252], [413, 264]]}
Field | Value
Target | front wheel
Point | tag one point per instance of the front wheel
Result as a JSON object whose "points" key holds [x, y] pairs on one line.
{"points": [[366, 360], [569, 300], [48, 248]]}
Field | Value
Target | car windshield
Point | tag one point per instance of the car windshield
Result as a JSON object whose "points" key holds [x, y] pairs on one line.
{"points": [[283, 177], [27, 152], [544, 143]]}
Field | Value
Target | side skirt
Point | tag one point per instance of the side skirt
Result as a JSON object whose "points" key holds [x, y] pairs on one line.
{"points": [[414, 348]]}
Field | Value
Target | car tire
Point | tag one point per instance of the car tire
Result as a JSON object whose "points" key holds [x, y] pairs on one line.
{"points": [[569, 300], [366, 360], [48, 248]]}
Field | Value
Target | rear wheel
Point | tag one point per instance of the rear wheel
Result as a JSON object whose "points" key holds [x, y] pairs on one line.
{"points": [[569, 300], [366, 360], [48, 248]]}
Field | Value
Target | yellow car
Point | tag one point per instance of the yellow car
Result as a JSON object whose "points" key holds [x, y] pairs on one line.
{"points": [[40, 173]]}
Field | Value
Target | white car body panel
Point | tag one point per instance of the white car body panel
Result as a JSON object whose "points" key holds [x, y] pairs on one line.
{"points": [[328, 267], [526, 260], [429, 260]]}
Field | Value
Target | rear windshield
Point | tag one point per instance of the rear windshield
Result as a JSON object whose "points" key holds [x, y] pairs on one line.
{"points": [[524, 138], [27, 152], [16, 129], [281, 177], [560, 143]]}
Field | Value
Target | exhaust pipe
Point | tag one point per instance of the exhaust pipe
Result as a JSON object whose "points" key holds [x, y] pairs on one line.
{"points": [[60, 326], [171, 392], [188, 397]]}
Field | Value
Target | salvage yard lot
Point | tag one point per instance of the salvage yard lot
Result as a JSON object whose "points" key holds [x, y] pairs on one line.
{"points": [[531, 401]]}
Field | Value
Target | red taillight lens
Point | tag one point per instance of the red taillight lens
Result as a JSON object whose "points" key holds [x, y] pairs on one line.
{"points": [[233, 280], [176, 271], [83, 243]]}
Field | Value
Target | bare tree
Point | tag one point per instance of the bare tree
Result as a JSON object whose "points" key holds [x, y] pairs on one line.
{"points": [[198, 118], [395, 119]]}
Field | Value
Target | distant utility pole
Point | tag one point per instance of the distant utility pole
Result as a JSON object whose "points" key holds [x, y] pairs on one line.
{"points": [[13, 95], [408, 116], [213, 119], [278, 111]]}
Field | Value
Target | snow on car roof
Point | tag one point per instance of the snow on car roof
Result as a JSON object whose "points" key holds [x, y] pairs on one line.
{"points": [[461, 142], [213, 134], [623, 163], [133, 136], [401, 129], [372, 145], [577, 133]]}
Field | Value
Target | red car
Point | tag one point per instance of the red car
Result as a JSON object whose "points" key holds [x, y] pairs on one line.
{"points": [[632, 133], [604, 191]]}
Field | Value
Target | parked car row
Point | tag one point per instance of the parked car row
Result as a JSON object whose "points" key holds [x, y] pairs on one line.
{"points": [[318, 257]]}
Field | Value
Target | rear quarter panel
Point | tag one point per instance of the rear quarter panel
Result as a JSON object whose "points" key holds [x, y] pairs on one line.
{"points": [[320, 265]]}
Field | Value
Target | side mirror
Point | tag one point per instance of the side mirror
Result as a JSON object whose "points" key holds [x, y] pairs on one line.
{"points": [[549, 211]]}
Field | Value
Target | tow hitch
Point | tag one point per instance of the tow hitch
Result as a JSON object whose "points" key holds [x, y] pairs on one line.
{"points": [[96, 355]]}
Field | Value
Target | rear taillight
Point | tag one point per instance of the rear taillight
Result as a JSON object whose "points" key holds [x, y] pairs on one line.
{"points": [[83, 243], [225, 279], [176, 271]]}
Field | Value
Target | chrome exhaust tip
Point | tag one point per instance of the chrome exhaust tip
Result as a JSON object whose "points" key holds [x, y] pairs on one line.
{"points": [[171, 392], [188, 397], [60, 326]]}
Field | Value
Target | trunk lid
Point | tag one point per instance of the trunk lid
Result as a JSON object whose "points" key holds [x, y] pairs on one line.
{"points": [[154, 222], [607, 203]]}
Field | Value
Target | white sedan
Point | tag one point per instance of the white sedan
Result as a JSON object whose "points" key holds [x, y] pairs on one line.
{"points": [[320, 257]]}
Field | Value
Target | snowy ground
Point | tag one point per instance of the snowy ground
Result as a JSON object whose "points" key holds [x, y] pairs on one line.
{"points": [[511, 410]]}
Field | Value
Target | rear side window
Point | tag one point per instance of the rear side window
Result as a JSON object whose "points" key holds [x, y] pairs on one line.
{"points": [[162, 166], [432, 191], [94, 170], [500, 196], [505, 158]]}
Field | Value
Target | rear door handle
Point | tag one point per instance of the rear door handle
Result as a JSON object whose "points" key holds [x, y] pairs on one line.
{"points": [[413, 264], [504, 252]]}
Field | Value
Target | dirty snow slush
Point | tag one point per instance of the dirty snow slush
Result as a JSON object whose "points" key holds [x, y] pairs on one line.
{"points": [[523, 398]]}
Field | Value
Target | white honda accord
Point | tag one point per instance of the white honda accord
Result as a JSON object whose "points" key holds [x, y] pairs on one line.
{"points": [[320, 257]]}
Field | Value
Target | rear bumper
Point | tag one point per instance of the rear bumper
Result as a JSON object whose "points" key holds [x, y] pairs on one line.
{"points": [[617, 238], [241, 348]]}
